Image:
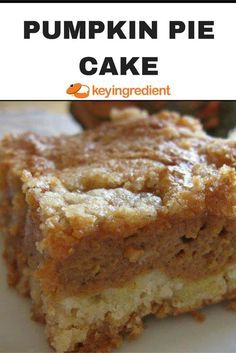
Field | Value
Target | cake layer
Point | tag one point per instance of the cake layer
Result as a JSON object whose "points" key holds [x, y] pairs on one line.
{"points": [[98, 322], [127, 234]]}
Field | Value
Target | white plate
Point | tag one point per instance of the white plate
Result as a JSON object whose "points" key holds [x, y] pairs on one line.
{"points": [[40, 121]]}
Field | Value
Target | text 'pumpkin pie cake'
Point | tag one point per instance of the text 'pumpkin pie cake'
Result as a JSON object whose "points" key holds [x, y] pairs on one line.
{"points": [[135, 217]]}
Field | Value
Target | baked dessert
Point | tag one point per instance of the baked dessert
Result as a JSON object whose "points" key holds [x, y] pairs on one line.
{"points": [[135, 217], [90, 114]]}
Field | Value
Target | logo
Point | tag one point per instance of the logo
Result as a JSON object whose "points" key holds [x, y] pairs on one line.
{"points": [[81, 91], [78, 90]]}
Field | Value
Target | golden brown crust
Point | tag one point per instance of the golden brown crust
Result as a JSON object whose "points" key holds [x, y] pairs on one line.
{"points": [[125, 139], [88, 212], [160, 178]]}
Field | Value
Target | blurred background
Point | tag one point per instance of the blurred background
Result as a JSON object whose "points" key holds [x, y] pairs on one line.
{"points": [[56, 117], [47, 118]]}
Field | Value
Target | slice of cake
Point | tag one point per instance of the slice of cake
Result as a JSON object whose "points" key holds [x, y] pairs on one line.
{"points": [[133, 218]]}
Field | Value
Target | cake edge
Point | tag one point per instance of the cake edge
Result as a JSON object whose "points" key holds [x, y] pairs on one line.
{"points": [[99, 321]]}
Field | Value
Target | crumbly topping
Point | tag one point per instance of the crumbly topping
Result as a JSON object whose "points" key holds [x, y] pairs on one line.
{"points": [[84, 212], [128, 113], [124, 175]]}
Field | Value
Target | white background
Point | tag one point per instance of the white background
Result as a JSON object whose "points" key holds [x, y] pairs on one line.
{"points": [[42, 69]]}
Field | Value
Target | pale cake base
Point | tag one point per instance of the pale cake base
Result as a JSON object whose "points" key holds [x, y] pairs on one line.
{"points": [[99, 321]]}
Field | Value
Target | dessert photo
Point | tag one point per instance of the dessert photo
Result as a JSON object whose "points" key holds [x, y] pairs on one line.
{"points": [[118, 226]]}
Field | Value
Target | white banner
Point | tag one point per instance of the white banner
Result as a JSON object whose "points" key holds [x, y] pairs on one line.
{"points": [[117, 51]]}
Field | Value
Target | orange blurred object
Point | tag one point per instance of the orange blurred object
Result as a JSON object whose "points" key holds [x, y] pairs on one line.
{"points": [[91, 113]]}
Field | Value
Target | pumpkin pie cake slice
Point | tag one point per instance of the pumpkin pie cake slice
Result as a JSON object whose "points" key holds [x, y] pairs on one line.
{"points": [[133, 218]]}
